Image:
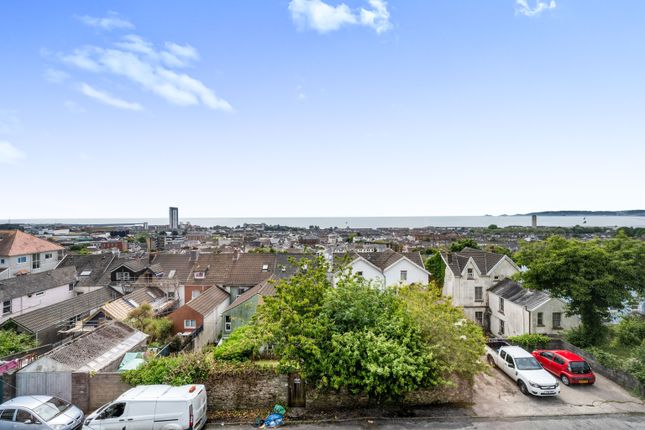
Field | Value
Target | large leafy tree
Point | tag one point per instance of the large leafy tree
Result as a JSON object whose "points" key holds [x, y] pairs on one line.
{"points": [[12, 342], [437, 268], [460, 244], [591, 276]]}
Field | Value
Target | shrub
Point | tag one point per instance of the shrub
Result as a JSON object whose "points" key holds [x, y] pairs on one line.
{"points": [[175, 370], [531, 341], [607, 359], [582, 338], [241, 345], [630, 331], [636, 364], [12, 342]]}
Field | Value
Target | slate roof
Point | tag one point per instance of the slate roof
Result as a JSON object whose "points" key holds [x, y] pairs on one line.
{"points": [[121, 307], [96, 264], [384, 259], [16, 242], [248, 269], [264, 288], [34, 283], [97, 349], [484, 260], [58, 313], [180, 263], [208, 300], [515, 293]]}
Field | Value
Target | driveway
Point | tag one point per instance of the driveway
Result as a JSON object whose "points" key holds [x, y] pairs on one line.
{"points": [[497, 395]]}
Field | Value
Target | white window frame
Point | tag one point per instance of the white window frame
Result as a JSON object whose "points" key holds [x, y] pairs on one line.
{"points": [[540, 319], [479, 317], [481, 293], [470, 273], [49, 256], [194, 294], [501, 305], [501, 327], [4, 306], [228, 325], [404, 275], [190, 324], [22, 259]]}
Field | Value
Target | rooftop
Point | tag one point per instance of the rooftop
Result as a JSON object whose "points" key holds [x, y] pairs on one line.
{"points": [[16, 242]]}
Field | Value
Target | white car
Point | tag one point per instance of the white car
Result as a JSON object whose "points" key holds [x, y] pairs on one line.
{"points": [[153, 407], [523, 368]]}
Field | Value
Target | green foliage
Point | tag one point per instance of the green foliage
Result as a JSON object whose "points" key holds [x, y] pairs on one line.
{"points": [[592, 276], [242, 345], [351, 336], [579, 337], [531, 341], [498, 249], [12, 342], [456, 342], [463, 243], [636, 364], [174, 370], [142, 318], [630, 331], [437, 268], [606, 358], [493, 227]]}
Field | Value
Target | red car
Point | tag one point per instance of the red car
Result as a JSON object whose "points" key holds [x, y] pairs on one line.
{"points": [[569, 367]]}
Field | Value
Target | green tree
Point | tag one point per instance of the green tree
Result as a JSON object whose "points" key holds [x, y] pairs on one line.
{"points": [[143, 318], [456, 342], [460, 244], [498, 249], [12, 342], [437, 268], [591, 276]]}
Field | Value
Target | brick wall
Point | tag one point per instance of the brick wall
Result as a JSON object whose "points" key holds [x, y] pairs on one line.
{"points": [[80, 390], [103, 388]]}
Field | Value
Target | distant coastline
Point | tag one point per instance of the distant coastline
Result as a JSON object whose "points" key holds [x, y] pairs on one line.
{"points": [[632, 212]]}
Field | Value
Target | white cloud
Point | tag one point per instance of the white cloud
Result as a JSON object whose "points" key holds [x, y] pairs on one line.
{"points": [[9, 154], [109, 22], [108, 99], [138, 61], [522, 7], [322, 17], [55, 76]]}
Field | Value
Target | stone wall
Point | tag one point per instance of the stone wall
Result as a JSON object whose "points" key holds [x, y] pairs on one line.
{"points": [[244, 389]]}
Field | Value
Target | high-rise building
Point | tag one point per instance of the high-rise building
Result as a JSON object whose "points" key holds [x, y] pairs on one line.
{"points": [[173, 218], [534, 220]]}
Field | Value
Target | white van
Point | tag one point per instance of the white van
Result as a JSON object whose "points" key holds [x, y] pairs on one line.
{"points": [[153, 407]]}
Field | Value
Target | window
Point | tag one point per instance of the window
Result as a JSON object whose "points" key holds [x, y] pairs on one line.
{"points": [[227, 323], [479, 294], [59, 255], [35, 261], [404, 275], [501, 327], [71, 286], [470, 273], [86, 273], [509, 360], [22, 260], [122, 276], [540, 319], [265, 267], [557, 320], [7, 415], [547, 355], [194, 294], [25, 417], [1, 260], [6, 307], [240, 291], [359, 273], [558, 359], [479, 317], [112, 411], [496, 278], [501, 305], [49, 256], [199, 275], [190, 324]]}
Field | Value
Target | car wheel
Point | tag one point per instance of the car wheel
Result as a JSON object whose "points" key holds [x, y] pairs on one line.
{"points": [[523, 388], [491, 361], [564, 379]]}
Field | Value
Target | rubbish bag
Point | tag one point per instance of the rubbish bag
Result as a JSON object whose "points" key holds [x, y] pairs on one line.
{"points": [[274, 420], [279, 409]]}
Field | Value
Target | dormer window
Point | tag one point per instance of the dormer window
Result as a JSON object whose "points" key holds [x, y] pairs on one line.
{"points": [[470, 273], [199, 275], [265, 267]]}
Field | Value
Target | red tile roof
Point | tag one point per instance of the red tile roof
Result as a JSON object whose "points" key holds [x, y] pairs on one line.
{"points": [[16, 242]]}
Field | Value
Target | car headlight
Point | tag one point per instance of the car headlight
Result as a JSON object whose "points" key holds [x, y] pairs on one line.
{"points": [[58, 426], [533, 384], [557, 384]]}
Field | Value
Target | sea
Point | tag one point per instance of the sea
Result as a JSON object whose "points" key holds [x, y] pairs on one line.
{"points": [[367, 222]]}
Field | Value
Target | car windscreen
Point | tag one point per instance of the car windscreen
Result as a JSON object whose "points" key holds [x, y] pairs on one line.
{"points": [[51, 408], [579, 367], [527, 363]]}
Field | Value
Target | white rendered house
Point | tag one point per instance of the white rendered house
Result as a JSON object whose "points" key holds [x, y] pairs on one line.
{"points": [[389, 267], [22, 253]]}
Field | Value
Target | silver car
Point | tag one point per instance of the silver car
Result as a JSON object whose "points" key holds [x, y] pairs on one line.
{"points": [[39, 413]]}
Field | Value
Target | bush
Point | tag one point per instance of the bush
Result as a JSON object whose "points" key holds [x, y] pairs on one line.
{"points": [[630, 331], [175, 370], [581, 338], [242, 345], [636, 364], [12, 342], [607, 359], [531, 341]]}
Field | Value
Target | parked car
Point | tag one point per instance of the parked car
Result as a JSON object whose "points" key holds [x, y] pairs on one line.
{"points": [[569, 367], [523, 368], [39, 413], [154, 407]]}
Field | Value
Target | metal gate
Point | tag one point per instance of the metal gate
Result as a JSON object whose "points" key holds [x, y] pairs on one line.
{"points": [[297, 391], [57, 384]]}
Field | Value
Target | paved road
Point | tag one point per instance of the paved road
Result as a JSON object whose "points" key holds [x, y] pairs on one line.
{"points": [[586, 422], [497, 395]]}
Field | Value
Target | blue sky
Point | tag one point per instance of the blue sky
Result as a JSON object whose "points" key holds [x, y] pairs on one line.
{"points": [[320, 108]]}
